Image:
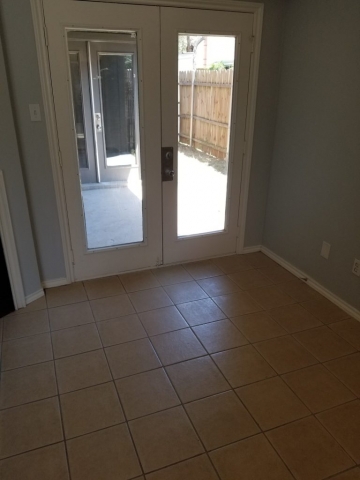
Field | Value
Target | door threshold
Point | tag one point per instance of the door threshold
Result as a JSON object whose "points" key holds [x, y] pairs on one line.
{"points": [[104, 185]]}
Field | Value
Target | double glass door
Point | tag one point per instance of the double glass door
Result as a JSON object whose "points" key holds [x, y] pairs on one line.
{"points": [[151, 122]]}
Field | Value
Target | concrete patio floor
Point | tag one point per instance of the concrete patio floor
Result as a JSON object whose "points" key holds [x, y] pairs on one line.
{"points": [[113, 212]]}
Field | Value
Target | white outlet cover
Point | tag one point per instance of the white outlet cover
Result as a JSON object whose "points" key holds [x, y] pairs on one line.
{"points": [[325, 250], [356, 267], [35, 114]]}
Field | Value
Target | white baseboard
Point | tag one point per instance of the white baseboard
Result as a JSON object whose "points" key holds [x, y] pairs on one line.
{"points": [[352, 311], [284, 263], [256, 248], [34, 296], [57, 282]]}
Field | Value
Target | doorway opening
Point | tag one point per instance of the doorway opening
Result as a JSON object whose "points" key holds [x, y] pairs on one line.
{"points": [[6, 297], [205, 176]]}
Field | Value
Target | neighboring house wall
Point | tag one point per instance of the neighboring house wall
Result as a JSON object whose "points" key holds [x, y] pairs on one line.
{"points": [[15, 189], [215, 49], [24, 80], [315, 191], [185, 61]]}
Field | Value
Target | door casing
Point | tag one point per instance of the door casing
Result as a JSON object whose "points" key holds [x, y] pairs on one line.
{"points": [[37, 7]]}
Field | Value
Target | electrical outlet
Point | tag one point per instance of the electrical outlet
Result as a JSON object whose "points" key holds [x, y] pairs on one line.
{"points": [[35, 114], [356, 267], [325, 250]]}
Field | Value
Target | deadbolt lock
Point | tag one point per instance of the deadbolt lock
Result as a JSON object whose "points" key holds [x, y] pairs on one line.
{"points": [[167, 164]]}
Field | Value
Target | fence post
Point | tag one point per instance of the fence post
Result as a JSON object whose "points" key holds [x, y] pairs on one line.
{"points": [[192, 105]]}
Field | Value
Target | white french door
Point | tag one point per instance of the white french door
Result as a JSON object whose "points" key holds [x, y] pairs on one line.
{"points": [[128, 80], [115, 225], [201, 204]]}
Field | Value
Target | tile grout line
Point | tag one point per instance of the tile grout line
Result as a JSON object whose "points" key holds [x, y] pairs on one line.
{"points": [[164, 333], [188, 417], [338, 378], [232, 389], [311, 414], [60, 408], [325, 409], [331, 331], [184, 409], [261, 431], [332, 435], [354, 468], [280, 375], [278, 456], [208, 297], [34, 450], [190, 326], [321, 425], [353, 353], [118, 395], [199, 356]]}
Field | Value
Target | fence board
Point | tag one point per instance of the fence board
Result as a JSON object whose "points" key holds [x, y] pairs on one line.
{"points": [[204, 110]]}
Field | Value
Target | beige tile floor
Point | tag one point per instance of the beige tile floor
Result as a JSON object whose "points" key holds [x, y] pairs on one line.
{"points": [[227, 369]]}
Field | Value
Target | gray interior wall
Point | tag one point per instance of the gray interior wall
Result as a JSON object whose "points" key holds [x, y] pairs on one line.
{"points": [[15, 189], [314, 191], [265, 122], [25, 88]]}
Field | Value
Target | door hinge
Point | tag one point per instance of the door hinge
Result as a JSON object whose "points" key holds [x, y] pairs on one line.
{"points": [[46, 36]]}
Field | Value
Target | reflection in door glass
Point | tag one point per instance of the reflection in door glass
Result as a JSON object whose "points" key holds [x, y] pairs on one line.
{"points": [[205, 73], [117, 87], [104, 87], [78, 109]]}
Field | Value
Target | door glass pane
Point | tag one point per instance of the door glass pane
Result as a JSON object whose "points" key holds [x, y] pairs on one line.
{"points": [[117, 95], [78, 109], [205, 73], [112, 195]]}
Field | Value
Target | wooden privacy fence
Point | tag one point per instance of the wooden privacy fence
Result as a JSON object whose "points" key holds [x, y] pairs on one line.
{"points": [[204, 110]]}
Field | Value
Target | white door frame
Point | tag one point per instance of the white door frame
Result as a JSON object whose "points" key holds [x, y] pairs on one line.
{"points": [[256, 9]]}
